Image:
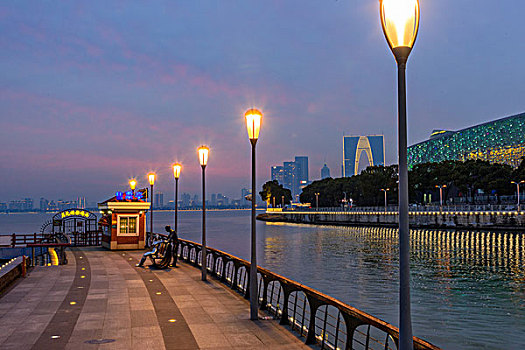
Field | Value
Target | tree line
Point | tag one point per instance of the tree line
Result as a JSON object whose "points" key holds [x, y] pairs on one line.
{"points": [[462, 179]]}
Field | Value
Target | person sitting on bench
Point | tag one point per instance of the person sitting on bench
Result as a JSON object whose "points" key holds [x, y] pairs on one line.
{"points": [[162, 249]]}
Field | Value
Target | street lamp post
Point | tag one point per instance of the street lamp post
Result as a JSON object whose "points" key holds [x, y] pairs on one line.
{"points": [[316, 201], [203, 159], [132, 185], [176, 174], [400, 23], [386, 202], [517, 183], [151, 178], [253, 125], [282, 201], [441, 187]]}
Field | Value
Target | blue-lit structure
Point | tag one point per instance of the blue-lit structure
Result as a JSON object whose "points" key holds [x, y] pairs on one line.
{"points": [[499, 141], [353, 146]]}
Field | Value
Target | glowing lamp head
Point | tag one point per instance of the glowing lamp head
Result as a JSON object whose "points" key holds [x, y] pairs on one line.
{"points": [[203, 155], [253, 123], [151, 178], [400, 22], [176, 170], [132, 184]]}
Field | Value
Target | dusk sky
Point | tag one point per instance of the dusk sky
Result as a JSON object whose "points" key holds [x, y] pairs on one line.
{"points": [[94, 93]]}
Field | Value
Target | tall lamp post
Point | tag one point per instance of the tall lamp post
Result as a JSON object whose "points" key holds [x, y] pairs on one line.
{"points": [[253, 124], [282, 201], [400, 23], [203, 159], [518, 190], [385, 190], [316, 201], [176, 174], [441, 187], [132, 185], [151, 178]]}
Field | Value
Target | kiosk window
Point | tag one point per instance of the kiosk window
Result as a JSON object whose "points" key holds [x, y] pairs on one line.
{"points": [[128, 225]]}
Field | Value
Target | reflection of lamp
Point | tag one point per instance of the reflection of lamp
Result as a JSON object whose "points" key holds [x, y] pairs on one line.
{"points": [[132, 185], [203, 152], [441, 196], [176, 174], [253, 125], [518, 190], [151, 178], [400, 22], [385, 190]]}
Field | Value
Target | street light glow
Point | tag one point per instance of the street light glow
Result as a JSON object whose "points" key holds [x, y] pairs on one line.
{"points": [[253, 123], [400, 21], [151, 178], [132, 184], [203, 155], [176, 170]]}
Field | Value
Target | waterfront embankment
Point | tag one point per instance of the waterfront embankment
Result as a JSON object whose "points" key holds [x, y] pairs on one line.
{"points": [[479, 220]]}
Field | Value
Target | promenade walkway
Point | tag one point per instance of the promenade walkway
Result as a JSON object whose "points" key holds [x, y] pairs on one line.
{"points": [[100, 300]]}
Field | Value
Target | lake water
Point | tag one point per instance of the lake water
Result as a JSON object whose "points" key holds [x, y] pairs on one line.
{"points": [[467, 288]]}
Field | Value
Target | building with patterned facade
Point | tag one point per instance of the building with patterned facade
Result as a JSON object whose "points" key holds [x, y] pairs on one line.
{"points": [[498, 141]]}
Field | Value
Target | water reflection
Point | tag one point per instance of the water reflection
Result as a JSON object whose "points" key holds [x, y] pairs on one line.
{"points": [[468, 287]]}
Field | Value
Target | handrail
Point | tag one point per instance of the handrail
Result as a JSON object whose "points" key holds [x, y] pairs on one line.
{"points": [[352, 326]]}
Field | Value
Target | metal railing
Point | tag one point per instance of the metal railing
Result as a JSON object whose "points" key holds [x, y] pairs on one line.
{"points": [[334, 324], [89, 238], [412, 208]]}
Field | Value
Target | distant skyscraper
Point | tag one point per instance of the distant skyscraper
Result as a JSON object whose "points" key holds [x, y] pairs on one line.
{"points": [[278, 174], [159, 200], [292, 175], [44, 203], [245, 192], [353, 146], [325, 172]]}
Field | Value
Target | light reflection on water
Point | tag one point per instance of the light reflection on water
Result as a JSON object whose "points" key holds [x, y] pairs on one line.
{"points": [[468, 288]]}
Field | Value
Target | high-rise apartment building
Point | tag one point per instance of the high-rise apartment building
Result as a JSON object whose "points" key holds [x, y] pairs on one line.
{"points": [[278, 173], [325, 172], [246, 192], [159, 200], [354, 146], [292, 175]]}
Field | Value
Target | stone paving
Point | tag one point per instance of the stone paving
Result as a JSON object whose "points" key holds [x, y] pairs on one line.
{"points": [[100, 300]]}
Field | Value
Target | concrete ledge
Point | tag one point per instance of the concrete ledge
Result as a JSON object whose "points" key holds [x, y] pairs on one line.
{"points": [[511, 220]]}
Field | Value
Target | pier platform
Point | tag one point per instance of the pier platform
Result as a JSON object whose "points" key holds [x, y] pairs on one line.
{"points": [[100, 300]]}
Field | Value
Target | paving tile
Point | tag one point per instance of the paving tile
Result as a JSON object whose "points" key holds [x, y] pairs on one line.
{"points": [[121, 304]]}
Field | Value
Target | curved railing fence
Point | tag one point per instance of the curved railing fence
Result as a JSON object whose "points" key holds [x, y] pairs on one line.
{"points": [[315, 316]]}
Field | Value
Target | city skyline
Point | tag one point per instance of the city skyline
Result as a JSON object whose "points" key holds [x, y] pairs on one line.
{"points": [[94, 94]]}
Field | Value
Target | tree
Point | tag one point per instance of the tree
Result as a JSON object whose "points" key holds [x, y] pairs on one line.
{"points": [[272, 189]]}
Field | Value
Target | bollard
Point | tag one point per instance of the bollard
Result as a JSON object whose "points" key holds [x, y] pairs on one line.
{"points": [[24, 272]]}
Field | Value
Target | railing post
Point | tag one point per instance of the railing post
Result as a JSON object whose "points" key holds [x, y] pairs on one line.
{"points": [[234, 279], [33, 256], [264, 300], [286, 295], [13, 240], [24, 266]]}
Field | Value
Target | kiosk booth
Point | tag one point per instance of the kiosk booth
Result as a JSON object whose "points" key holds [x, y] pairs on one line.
{"points": [[123, 221]]}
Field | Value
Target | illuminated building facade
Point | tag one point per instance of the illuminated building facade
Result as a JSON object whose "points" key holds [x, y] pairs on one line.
{"points": [[353, 146], [498, 141]]}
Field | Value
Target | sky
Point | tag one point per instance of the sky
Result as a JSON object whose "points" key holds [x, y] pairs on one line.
{"points": [[94, 93]]}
